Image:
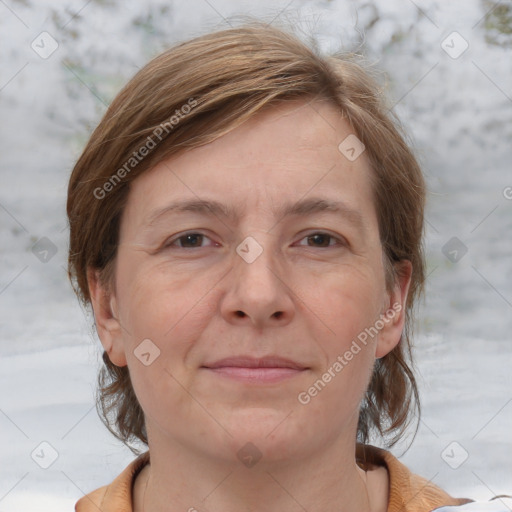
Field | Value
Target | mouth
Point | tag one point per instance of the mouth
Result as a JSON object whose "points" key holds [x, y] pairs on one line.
{"points": [[257, 370]]}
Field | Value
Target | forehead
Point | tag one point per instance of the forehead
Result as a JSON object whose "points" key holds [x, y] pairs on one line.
{"points": [[279, 156]]}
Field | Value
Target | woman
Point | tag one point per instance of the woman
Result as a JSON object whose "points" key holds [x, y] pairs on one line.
{"points": [[246, 222]]}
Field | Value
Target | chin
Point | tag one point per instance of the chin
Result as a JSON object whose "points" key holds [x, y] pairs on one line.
{"points": [[272, 435]]}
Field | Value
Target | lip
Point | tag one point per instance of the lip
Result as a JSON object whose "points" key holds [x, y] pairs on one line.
{"points": [[267, 369], [255, 362]]}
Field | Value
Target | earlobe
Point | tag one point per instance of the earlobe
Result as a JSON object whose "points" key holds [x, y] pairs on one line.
{"points": [[106, 318], [393, 318]]}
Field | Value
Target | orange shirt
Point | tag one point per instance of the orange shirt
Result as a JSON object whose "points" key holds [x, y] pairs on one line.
{"points": [[407, 492]]}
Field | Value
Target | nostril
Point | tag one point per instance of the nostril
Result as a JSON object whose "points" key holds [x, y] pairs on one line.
{"points": [[278, 314], [239, 313]]}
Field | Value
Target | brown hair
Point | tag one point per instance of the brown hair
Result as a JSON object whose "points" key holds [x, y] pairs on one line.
{"points": [[192, 94]]}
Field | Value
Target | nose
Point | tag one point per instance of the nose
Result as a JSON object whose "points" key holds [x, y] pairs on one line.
{"points": [[257, 292]]}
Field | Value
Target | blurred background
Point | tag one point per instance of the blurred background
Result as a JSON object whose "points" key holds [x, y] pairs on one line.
{"points": [[447, 69]]}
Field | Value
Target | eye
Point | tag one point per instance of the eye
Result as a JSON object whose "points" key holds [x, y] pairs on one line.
{"points": [[193, 240], [321, 239], [189, 240]]}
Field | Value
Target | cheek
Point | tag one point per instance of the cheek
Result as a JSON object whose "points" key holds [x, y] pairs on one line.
{"points": [[170, 311], [156, 299], [347, 307], [346, 302], [339, 385]]}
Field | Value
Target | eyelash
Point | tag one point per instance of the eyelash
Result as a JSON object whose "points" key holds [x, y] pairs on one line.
{"points": [[341, 242]]}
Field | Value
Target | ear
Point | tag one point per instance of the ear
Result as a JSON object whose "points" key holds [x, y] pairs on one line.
{"points": [[393, 315], [109, 329]]}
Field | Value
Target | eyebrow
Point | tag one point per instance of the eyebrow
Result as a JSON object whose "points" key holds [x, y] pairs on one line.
{"points": [[301, 208]]}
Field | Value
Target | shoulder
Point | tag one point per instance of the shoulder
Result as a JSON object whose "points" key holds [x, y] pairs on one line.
{"points": [[408, 492], [117, 496]]}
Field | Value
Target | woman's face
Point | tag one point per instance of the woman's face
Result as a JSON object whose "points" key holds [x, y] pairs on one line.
{"points": [[261, 244]]}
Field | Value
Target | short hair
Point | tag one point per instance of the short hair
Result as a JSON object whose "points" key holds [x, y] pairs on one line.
{"points": [[197, 91]]}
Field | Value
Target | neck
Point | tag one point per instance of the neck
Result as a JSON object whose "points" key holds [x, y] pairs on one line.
{"points": [[177, 480]]}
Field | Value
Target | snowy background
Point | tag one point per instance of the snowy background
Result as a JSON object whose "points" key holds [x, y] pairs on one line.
{"points": [[455, 101]]}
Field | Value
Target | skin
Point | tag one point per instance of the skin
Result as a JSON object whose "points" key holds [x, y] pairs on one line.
{"points": [[304, 298]]}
